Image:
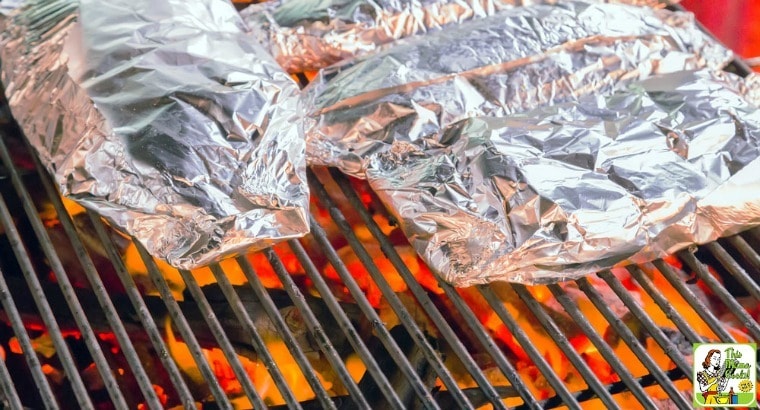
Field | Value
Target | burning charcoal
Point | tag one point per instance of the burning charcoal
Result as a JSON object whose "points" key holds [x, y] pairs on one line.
{"points": [[475, 395], [513, 61], [388, 366], [163, 117]]}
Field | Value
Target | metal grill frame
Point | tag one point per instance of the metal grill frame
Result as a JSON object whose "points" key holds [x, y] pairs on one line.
{"points": [[418, 391], [742, 272]]}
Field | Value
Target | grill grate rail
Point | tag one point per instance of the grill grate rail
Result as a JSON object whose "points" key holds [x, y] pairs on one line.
{"points": [[401, 311], [343, 322], [418, 363], [405, 366], [100, 291], [701, 270], [630, 339], [146, 319], [44, 308]]}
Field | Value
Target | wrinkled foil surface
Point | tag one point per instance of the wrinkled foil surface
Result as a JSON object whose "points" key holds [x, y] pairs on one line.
{"points": [[6, 6], [516, 60], [164, 118], [567, 190], [307, 35]]}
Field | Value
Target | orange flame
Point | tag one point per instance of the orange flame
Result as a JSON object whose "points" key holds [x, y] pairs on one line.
{"points": [[257, 372]]}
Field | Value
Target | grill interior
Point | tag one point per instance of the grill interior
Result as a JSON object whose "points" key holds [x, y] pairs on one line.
{"points": [[423, 344]]}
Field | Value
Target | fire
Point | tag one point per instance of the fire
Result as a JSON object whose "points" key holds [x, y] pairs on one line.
{"points": [[43, 345], [257, 372], [162, 397], [557, 360], [232, 270], [527, 370], [359, 272], [355, 367]]}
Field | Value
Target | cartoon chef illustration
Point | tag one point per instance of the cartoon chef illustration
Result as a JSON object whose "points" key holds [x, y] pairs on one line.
{"points": [[711, 380]]}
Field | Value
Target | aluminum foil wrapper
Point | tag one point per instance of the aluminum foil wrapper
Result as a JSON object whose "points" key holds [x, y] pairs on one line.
{"points": [[7, 6], [164, 118], [516, 60], [307, 35], [563, 191]]}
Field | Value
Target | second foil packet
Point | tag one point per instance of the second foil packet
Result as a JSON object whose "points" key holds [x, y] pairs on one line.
{"points": [[513, 61]]}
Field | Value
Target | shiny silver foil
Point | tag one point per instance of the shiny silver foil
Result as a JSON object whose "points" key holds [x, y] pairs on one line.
{"points": [[6, 6], [164, 118], [516, 60], [563, 191], [307, 35]]}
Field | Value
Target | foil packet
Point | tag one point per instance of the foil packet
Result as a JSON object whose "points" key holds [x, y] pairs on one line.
{"points": [[563, 191], [164, 118], [7, 6], [308, 35], [513, 61]]}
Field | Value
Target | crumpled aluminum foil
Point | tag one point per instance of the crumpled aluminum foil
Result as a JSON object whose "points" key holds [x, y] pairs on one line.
{"points": [[516, 60], [308, 35], [164, 118], [7, 6], [563, 191]]}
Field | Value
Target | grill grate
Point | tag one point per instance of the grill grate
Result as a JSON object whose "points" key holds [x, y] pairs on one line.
{"points": [[402, 363]]}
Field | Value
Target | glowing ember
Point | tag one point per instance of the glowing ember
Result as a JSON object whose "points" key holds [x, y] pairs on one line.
{"points": [[257, 372], [234, 273], [529, 373], [162, 397]]}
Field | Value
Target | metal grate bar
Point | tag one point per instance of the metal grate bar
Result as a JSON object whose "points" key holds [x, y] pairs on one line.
{"points": [[507, 369], [405, 318], [143, 314], [630, 339], [63, 282], [614, 388], [604, 349], [35, 368], [693, 301], [419, 293], [143, 381], [509, 321], [229, 352], [10, 397], [746, 250], [558, 336], [67, 361], [184, 328], [282, 328], [345, 324], [322, 340], [665, 306], [382, 332], [733, 267], [638, 312], [701, 270]]}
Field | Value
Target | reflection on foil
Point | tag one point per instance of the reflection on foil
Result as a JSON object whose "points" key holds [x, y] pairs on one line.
{"points": [[6, 6], [307, 35], [164, 118], [516, 60], [563, 191]]}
